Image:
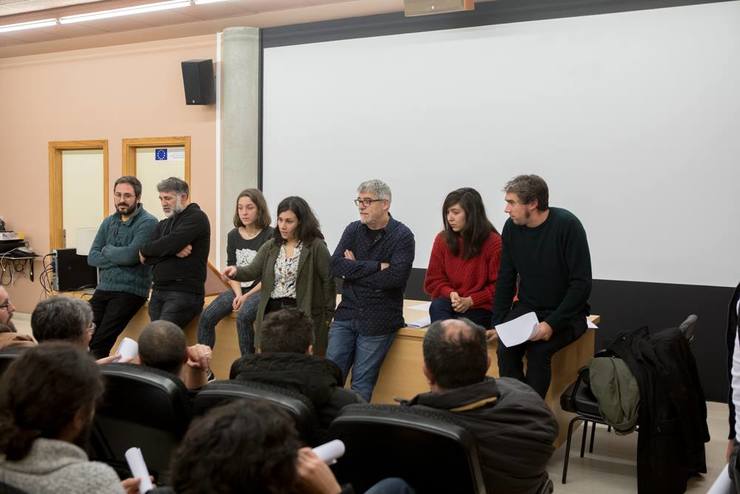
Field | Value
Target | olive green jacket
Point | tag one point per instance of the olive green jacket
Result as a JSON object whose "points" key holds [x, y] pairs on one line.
{"points": [[315, 289]]}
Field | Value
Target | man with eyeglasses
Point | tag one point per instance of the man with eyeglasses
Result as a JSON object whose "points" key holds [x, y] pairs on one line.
{"points": [[6, 309], [124, 282], [374, 259]]}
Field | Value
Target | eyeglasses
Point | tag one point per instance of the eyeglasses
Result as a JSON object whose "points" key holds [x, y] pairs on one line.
{"points": [[91, 328], [5, 305], [366, 202]]}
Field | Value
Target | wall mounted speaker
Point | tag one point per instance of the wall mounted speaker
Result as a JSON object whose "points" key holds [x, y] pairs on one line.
{"points": [[197, 78], [427, 7]]}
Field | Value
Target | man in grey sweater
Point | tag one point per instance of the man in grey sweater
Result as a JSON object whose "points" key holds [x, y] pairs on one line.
{"points": [[124, 282], [46, 413]]}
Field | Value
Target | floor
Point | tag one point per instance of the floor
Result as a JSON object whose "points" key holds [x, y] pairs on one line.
{"points": [[610, 469]]}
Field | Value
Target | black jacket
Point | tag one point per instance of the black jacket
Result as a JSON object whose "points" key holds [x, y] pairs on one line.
{"points": [[318, 379], [673, 412], [180, 274], [513, 427]]}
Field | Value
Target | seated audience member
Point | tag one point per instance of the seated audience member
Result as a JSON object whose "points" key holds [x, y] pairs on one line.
{"points": [[65, 319], [47, 404], [9, 338], [463, 266], [6, 309], [513, 426], [254, 447], [287, 361], [162, 346]]}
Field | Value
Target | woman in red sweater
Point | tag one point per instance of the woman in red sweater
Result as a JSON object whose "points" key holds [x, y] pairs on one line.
{"points": [[463, 266]]}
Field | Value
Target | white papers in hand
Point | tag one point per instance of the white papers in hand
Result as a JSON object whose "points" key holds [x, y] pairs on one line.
{"points": [[517, 331], [420, 323], [138, 468], [591, 325], [329, 452], [128, 350]]}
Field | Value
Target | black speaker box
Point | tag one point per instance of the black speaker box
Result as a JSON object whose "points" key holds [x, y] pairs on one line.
{"points": [[197, 77]]}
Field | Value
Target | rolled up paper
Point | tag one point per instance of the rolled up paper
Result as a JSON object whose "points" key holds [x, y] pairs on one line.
{"points": [[330, 452], [138, 468]]}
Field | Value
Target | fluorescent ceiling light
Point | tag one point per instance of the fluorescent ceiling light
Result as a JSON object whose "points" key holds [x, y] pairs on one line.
{"points": [[27, 25], [202, 2], [137, 9]]}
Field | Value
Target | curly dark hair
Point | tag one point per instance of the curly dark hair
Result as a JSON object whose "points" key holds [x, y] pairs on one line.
{"points": [[287, 330], [243, 446], [42, 391]]}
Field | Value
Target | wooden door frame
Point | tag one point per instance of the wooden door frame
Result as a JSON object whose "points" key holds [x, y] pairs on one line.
{"points": [[56, 198], [130, 145]]}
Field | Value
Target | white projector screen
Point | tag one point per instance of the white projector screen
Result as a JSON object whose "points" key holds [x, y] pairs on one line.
{"points": [[632, 118]]}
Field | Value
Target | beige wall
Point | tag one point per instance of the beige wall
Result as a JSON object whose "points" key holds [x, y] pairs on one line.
{"points": [[103, 93]]}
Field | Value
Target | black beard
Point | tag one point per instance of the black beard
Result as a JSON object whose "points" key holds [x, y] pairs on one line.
{"points": [[129, 211]]}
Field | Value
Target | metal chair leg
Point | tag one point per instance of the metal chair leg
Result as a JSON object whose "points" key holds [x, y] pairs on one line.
{"points": [[567, 447], [583, 437], [593, 431]]}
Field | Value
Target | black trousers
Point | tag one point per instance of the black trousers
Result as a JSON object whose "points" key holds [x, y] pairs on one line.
{"points": [[539, 353], [111, 313], [177, 307]]}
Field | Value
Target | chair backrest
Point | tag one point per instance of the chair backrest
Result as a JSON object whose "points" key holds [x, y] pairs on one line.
{"points": [[425, 447], [142, 407], [298, 406]]}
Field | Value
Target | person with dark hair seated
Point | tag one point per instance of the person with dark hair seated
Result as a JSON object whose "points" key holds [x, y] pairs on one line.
{"points": [[253, 447], [513, 426], [287, 361], [47, 404], [70, 319], [162, 346]]}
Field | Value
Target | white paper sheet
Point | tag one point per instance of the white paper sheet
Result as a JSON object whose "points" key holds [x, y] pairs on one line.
{"points": [[329, 452], [128, 349], [517, 331], [723, 484], [420, 323], [138, 468], [421, 306], [590, 325]]}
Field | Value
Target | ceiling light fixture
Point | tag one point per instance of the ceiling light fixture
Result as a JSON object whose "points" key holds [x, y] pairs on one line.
{"points": [[203, 2], [137, 9], [27, 25]]}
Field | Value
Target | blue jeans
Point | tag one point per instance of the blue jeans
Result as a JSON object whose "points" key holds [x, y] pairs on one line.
{"points": [[363, 354], [221, 307], [177, 307], [441, 309]]}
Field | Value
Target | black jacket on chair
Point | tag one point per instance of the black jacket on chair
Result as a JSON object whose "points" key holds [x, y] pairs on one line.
{"points": [[673, 411]]}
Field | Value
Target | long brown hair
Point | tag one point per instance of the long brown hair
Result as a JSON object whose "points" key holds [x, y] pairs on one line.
{"points": [[263, 215]]}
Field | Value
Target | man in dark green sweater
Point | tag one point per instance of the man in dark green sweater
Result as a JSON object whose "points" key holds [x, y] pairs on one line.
{"points": [[546, 263]]}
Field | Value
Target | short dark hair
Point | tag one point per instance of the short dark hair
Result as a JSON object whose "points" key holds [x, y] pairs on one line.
{"points": [[308, 228], [162, 346], [132, 181], [42, 391], [61, 318], [455, 353], [244, 446], [530, 188], [477, 227], [286, 330], [174, 184], [263, 215]]}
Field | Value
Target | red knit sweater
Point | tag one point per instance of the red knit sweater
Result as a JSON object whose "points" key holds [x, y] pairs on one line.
{"points": [[474, 277]]}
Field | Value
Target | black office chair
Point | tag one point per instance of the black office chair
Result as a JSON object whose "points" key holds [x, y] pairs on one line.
{"points": [[297, 405], [142, 407], [425, 447], [7, 356], [578, 399]]}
